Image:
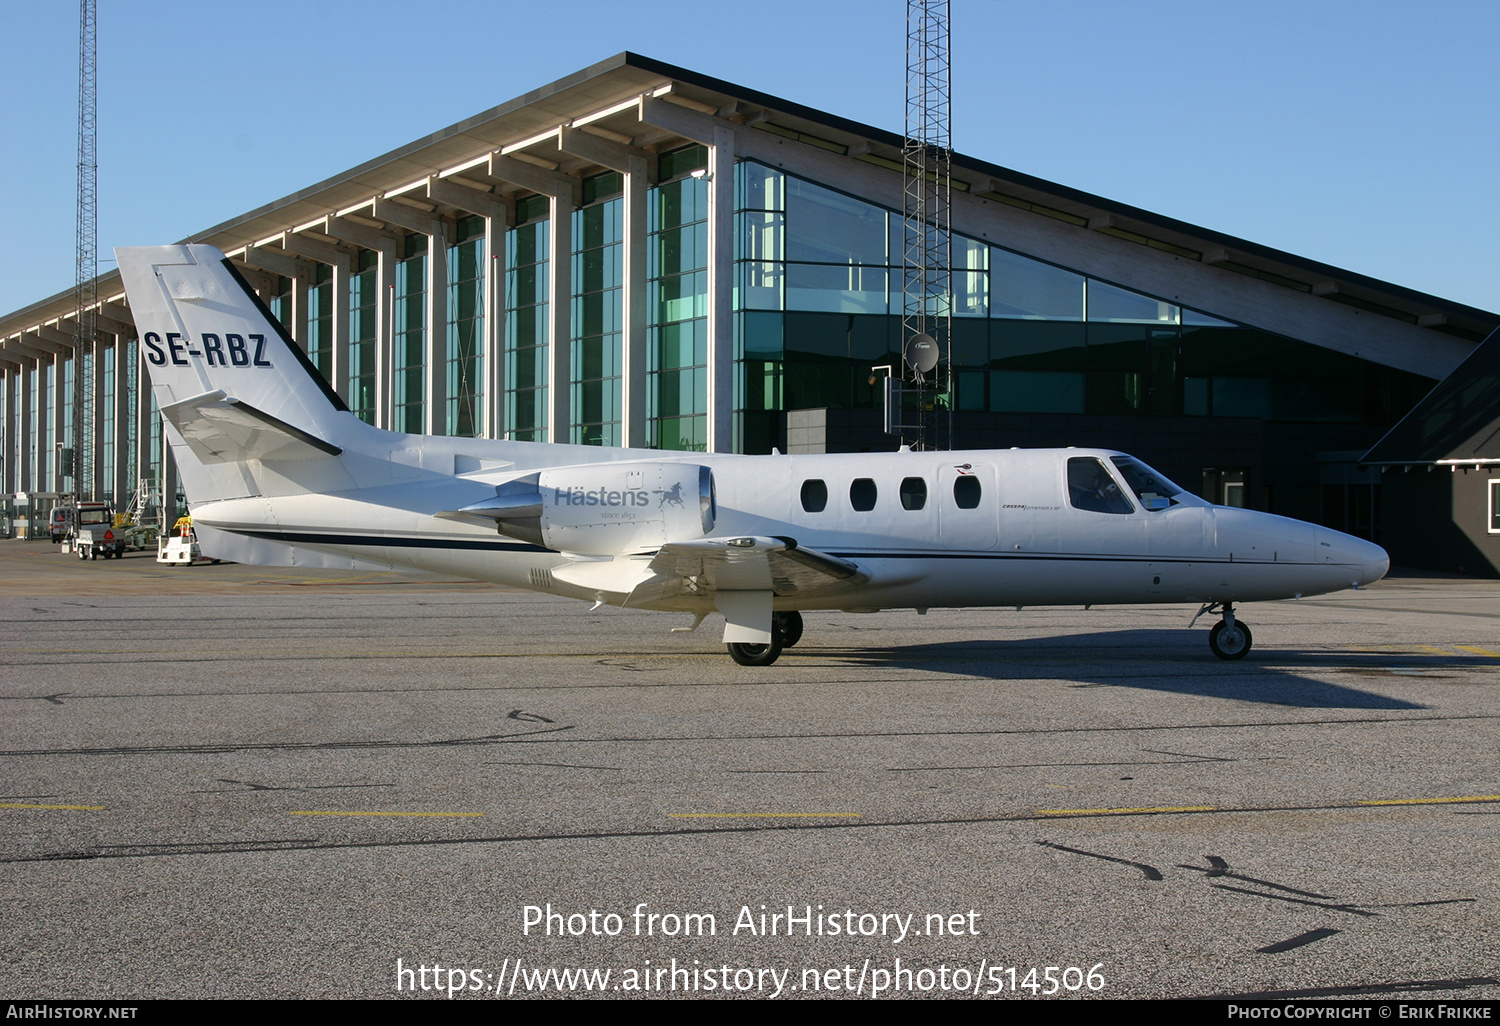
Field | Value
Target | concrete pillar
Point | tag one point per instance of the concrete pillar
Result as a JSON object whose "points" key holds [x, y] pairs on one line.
{"points": [[385, 334], [338, 368], [721, 291], [495, 228], [301, 282], [9, 453], [438, 238], [559, 319], [25, 443], [633, 359]]}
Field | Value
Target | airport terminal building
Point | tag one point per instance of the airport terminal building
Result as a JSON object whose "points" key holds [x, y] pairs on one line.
{"points": [[641, 255]]}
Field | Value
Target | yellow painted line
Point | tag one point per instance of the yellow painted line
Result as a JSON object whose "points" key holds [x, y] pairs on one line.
{"points": [[72, 808], [332, 813], [762, 815], [1435, 801], [1438, 649], [1479, 651], [1116, 812]]}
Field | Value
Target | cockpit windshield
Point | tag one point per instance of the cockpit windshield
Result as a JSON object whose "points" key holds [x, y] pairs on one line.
{"points": [[1154, 490]]}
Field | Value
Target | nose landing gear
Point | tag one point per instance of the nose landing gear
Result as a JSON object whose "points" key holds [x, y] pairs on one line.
{"points": [[1230, 638]]}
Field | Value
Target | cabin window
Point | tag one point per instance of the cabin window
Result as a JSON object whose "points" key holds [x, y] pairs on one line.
{"points": [[913, 493], [967, 492], [814, 496], [862, 493], [1091, 487]]}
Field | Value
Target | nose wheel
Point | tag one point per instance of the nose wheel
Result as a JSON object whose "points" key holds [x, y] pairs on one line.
{"points": [[1230, 638], [786, 631]]}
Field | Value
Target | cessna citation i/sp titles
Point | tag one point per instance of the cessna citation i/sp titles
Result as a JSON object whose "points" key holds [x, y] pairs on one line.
{"points": [[278, 471]]}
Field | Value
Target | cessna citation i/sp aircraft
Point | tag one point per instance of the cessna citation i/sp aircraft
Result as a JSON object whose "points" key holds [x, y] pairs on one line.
{"points": [[278, 471]]}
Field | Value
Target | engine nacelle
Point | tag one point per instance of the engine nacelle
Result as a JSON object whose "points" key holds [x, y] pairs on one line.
{"points": [[605, 509]]}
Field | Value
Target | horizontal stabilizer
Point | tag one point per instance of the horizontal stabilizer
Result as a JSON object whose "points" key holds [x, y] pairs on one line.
{"points": [[222, 430]]}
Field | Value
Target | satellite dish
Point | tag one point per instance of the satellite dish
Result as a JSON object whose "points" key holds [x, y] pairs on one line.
{"points": [[921, 353]]}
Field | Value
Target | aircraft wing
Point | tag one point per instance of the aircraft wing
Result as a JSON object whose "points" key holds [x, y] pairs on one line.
{"points": [[223, 430], [776, 565]]}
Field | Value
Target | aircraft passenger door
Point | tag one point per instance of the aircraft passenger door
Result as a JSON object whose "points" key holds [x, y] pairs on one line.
{"points": [[968, 503]]}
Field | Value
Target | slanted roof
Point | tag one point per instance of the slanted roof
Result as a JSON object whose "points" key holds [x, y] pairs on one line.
{"points": [[1458, 421], [589, 93]]}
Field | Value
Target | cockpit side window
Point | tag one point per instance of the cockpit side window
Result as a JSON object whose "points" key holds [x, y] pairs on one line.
{"points": [[1154, 490], [1091, 487]]}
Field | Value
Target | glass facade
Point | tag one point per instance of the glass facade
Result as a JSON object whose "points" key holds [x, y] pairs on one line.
{"points": [[154, 448], [464, 392], [64, 462], [598, 310], [43, 453], [132, 400], [320, 320], [279, 302], [104, 464], [409, 344], [677, 305], [818, 304], [364, 300], [526, 320]]}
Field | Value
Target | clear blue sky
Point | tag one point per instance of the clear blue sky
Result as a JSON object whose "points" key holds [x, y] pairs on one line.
{"points": [[1361, 134]]}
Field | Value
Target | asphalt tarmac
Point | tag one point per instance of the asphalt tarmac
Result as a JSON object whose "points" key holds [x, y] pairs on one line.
{"points": [[231, 781]]}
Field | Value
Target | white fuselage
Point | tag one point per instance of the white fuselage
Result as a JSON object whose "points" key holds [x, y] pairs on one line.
{"points": [[1022, 543]]}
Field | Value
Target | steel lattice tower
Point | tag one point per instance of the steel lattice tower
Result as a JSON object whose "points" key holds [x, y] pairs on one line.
{"points": [[86, 290], [927, 306]]}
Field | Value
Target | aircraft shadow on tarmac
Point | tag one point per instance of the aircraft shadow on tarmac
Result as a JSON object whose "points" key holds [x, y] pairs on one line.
{"points": [[1153, 660]]}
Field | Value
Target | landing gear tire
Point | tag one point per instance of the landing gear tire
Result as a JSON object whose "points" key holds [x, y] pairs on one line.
{"points": [[757, 655], [1230, 642], [789, 626]]}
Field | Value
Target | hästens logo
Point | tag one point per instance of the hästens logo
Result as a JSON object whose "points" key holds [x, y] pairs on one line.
{"points": [[228, 351], [626, 497], [602, 497]]}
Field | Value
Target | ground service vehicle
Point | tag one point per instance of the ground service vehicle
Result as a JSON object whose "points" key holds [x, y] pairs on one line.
{"points": [[94, 532]]}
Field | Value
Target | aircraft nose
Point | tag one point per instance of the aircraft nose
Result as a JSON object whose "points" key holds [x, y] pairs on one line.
{"points": [[1366, 561]]}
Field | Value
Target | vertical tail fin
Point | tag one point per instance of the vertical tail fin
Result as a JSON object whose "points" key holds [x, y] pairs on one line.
{"points": [[232, 387], [205, 336]]}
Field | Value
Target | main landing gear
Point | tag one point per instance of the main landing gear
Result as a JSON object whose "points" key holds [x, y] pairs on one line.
{"points": [[1230, 638], [786, 631]]}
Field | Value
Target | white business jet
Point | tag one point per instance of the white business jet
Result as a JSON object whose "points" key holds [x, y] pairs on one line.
{"points": [[278, 471]]}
